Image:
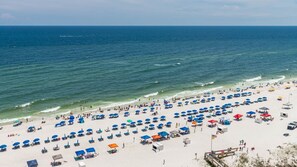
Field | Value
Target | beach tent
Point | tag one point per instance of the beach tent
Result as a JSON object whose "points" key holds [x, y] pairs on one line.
{"points": [[55, 158], [32, 163]]}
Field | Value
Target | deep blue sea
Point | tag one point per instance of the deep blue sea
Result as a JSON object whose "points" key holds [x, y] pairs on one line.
{"points": [[45, 69]]}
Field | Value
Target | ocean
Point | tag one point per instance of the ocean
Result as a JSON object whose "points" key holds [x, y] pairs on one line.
{"points": [[45, 70]]}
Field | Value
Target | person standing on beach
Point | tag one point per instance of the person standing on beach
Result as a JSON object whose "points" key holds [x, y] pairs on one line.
{"points": [[163, 161]]}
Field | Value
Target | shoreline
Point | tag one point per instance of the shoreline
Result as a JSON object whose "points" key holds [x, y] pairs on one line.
{"points": [[212, 88]]}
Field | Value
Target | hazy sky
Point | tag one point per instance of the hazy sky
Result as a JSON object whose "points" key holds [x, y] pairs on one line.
{"points": [[148, 12]]}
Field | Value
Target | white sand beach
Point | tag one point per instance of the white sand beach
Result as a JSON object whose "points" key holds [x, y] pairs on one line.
{"points": [[260, 136]]}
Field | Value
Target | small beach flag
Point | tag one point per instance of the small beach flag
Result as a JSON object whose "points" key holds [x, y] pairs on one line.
{"points": [[213, 136]]}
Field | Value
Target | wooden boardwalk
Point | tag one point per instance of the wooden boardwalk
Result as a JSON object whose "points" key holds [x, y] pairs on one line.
{"points": [[214, 157]]}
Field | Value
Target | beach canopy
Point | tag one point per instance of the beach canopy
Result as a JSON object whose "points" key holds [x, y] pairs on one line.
{"points": [[32, 163], [156, 137], [90, 150], [212, 121], [145, 137], [80, 153], [57, 157], [163, 134], [237, 116], [113, 145], [129, 120], [251, 112]]}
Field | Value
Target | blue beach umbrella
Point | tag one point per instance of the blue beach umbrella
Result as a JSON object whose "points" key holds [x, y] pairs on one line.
{"points": [[55, 136], [26, 141], [16, 144], [81, 131], [3, 146], [152, 125], [36, 140], [251, 113]]}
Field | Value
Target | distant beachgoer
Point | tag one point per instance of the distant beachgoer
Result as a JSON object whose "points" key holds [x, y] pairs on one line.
{"points": [[163, 161]]}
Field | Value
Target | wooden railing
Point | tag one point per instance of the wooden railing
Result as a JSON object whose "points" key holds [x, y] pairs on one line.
{"points": [[214, 157]]}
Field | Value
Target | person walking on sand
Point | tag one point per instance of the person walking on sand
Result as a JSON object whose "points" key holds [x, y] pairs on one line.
{"points": [[123, 145], [163, 161]]}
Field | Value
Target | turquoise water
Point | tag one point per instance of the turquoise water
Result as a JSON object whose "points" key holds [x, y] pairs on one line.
{"points": [[61, 68]]}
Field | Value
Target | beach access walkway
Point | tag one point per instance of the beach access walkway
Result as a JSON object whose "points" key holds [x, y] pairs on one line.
{"points": [[214, 157]]}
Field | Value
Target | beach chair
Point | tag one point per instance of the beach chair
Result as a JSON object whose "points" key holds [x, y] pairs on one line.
{"points": [[47, 140], [76, 144], [91, 140], [127, 133], [56, 148], [67, 146], [100, 138], [110, 137], [119, 134], [99, 131], [44, 150]]}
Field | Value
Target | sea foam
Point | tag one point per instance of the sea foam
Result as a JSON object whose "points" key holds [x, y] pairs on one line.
{"points": [[51, 109], [254, 79], [151, 94]]}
